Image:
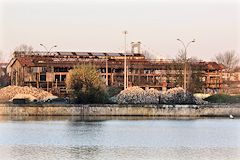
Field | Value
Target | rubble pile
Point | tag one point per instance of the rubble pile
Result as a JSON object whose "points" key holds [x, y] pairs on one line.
{"points": [[136, 95], [10, 92], [178, 96], [152, 96], [131, 95], [201, 95], [24, 96]]}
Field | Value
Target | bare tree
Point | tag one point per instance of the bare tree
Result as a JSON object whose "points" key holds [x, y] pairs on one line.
{"points": [[180, 56], [1, 56], [194, 69], [148, 55], [4, 78], [23, 49], [229, 59]]}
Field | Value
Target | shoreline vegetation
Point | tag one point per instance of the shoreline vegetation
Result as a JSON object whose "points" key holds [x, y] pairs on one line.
{"points": [[133, 101], [223, 98], [132, 95]]}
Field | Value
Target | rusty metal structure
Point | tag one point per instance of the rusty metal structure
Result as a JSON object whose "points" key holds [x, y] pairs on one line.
{"points": [[49, 71]]}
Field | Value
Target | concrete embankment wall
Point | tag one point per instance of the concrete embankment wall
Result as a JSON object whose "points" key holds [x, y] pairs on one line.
{"points": [[119, 110]]}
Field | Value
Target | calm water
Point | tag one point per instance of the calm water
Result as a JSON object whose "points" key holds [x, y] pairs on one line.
{"points": [[119, 139]]}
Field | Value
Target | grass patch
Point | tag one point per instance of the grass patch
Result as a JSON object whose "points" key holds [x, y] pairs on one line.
{"points": [[223, 98]]}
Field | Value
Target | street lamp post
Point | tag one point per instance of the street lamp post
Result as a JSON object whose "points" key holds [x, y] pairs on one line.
{"points": [[106, 70], [125, 59], [185, 61], [48, 51]]}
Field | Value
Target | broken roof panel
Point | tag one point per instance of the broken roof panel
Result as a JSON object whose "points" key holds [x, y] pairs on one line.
{"points": [[82, 54], [113, 54], [65, 53], [98, 54]]}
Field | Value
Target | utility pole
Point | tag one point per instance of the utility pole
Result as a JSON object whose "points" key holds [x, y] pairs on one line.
{"points": [[185, 62], [125, 59], [106, 70]]}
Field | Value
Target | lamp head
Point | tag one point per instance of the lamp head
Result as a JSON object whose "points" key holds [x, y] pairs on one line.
{"points": [[125, 32]]}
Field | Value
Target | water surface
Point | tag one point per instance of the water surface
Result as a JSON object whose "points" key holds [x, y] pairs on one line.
{"points": [[113, 138]]}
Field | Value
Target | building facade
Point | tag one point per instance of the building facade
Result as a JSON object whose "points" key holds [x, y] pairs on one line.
{"points": [[231, 80], [49, 71]]}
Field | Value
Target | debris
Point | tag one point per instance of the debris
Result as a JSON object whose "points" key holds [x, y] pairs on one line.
{"points": [[29, 97], [201, 95], [131, 95], [10, 92], [152, 96], [136, 95]]}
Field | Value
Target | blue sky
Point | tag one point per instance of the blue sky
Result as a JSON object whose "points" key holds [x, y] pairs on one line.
{"points": [[97, 25]]}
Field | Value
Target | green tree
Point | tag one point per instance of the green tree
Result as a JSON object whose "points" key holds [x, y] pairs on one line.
{"points": [[85, 85]]}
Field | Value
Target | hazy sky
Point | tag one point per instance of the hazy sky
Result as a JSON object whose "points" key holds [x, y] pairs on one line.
{"points": [[97, 25]]}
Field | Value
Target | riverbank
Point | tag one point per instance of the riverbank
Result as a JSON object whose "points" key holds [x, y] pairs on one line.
{"points": [[210, 110]]}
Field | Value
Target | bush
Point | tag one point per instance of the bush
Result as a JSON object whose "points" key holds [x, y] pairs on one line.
{"points": [[85, 85], [113, 91], [223, 98]]}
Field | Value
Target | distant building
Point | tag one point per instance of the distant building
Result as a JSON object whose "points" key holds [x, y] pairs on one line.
{"points": [[41, 70], [231, 81]]}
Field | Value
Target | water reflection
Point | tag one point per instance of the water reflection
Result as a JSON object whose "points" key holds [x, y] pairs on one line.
{"points": [[94, 118], [118, 153]]}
